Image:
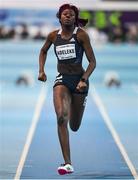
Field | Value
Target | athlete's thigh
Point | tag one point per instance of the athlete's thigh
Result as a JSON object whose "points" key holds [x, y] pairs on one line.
{"points": [[61, 99], [77, 109]]}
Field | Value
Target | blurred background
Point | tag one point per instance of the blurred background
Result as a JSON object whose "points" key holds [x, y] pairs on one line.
{"points": [[109, 21], [24, 26]]}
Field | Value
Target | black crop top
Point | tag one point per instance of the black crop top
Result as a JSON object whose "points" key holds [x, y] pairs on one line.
{"points": [[68, 51]]}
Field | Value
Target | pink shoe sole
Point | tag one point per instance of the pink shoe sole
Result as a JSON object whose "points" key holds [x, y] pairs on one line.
{"points": [[63, 172]]}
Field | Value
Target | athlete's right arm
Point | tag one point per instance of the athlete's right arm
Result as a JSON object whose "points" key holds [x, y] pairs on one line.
{"points": [[43, 55]]}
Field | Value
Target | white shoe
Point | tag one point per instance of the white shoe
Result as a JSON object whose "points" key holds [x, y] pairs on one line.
{"points": [[65, 169]]}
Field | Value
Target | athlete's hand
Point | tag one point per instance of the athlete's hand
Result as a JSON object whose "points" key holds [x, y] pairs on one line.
{"points": [[42, 76], [81, 86]]}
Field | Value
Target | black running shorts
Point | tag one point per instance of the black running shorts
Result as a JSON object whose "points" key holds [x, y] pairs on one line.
{"points": [[71, 82]]}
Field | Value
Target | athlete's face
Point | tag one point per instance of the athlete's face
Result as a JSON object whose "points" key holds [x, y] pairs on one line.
{"points": [[68, 17]]}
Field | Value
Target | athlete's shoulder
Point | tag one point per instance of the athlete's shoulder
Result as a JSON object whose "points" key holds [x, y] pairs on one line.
{"points": [[82, 32], [82, 35], [52, 36]]}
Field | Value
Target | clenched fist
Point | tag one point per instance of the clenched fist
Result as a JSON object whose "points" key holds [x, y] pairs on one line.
{"points": [[42, 76]]}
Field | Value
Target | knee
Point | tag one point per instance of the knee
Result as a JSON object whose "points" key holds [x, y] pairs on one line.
{"points": [[62, 121], [74, 124], [74, 128]]}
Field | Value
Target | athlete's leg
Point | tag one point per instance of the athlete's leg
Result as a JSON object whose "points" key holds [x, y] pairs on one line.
{"points": [[62, 101], [77, 109]]}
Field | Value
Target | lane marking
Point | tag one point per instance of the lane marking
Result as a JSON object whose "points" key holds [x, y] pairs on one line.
{"points": [[38, 108], [135, 88], [112, 130]]}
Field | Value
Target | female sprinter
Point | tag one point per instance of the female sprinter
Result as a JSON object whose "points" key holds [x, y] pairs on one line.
{"points": [[71, 85]]}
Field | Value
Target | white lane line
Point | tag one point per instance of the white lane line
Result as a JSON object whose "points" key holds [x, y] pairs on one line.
{"points": [[31, 131], [135, 88], [112, 130]]}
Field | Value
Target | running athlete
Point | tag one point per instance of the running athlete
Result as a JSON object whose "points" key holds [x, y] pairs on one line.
{"points": [[71, 85]]}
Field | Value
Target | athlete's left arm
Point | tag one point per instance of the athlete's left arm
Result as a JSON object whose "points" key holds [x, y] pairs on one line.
{"points": [[84, 39]]}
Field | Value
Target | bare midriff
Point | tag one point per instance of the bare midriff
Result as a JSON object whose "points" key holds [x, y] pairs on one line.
{"points": [[70, 69]]}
